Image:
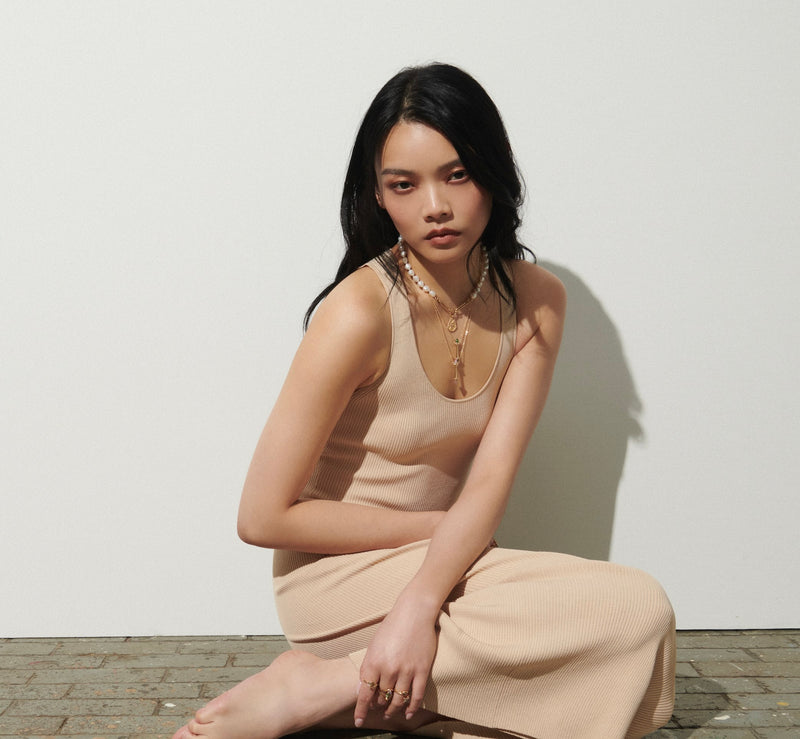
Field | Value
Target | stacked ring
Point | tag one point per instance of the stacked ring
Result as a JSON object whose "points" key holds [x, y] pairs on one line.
{"points": [[387, 694], [405, 695], [370, 684]]}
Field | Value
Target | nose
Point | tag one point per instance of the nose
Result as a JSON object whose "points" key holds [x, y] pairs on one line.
{"points": [[436, 205]]}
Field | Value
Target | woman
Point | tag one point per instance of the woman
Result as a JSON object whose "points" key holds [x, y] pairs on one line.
{"points": [[385, 467]]}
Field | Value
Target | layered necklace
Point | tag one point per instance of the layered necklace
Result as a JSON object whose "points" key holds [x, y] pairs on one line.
{"points": [[458, 347]]}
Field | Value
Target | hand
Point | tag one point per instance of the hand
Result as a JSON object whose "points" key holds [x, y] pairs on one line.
{"points": [[399, 660]]}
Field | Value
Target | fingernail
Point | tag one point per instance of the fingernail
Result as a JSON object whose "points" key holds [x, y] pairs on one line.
{"points": [[409, 716], [359, 723]]}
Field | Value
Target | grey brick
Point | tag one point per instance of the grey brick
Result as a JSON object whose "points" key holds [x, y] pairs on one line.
{"points": [[229, 647], [252, 660], [213, 689], [156, 691], [124, 725], [726, 640], [32, 648], [181, 707], [209, 674], [33, 692], [15, 677], [774, 701], [166, 660], [89, 707], [713, 655], [710, 702], [750, 669], [781, 654], [732, 719], [38, 662], [684, 669], [175, 638], [27, 725], [108, 675], [51, 640], [81, 646], [719, 685], [703, 734], [780, 684]]}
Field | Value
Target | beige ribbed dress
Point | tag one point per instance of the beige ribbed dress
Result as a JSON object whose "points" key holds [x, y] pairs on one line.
{"points": [[531, 644]]}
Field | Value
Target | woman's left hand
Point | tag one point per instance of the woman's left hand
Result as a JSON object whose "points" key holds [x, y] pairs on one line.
{"points": [[395, 670]]}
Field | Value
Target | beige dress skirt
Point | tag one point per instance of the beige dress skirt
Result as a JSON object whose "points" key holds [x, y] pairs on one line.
{"points": [[531, 644]]}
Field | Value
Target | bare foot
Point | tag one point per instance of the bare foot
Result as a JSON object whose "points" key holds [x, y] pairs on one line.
{"points": [[296, 691]]}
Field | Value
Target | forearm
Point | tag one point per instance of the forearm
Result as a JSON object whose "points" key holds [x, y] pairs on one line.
{"points": [[457, 542], [332, 527]]}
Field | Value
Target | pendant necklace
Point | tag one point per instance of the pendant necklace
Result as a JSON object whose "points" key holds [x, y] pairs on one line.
{"points": [[458, 349]]}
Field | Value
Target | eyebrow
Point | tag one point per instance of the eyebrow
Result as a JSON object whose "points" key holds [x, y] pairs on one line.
{"points": [[408, 172]]}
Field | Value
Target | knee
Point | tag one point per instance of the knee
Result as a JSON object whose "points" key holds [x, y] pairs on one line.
{"points": [[649, 612]]}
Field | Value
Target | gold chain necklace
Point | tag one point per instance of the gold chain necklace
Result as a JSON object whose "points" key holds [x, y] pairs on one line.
{"points": [[459, 348]]}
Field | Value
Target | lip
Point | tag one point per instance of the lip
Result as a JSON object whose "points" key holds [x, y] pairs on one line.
{"points": [[440, 232]]}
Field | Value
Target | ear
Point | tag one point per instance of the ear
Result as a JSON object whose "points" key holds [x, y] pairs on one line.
{"points": [[379, 198]]}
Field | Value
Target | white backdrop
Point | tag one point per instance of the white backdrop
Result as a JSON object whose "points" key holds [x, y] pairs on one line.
{"points": [[169, 184]]}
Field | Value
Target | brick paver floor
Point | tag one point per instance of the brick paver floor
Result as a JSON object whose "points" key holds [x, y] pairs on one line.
{"points": [[730, 684]]}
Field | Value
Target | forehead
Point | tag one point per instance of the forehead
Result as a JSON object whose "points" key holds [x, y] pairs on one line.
{"points": [[415, 146]]}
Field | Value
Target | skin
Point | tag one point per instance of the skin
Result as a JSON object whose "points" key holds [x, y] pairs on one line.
{"points": [[424, 188]]}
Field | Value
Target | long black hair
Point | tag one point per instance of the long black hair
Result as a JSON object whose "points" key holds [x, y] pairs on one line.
{"points": [[453, 103]]}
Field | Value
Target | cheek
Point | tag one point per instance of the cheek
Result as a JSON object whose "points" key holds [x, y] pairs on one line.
{"points": [[482, 206], [399, 212]]}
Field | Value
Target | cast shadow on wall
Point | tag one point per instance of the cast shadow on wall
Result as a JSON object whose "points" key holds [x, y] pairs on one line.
{"points": [[565, 493]]}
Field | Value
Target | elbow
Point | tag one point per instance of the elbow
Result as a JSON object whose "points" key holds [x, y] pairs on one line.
{"points": [[258, 533], [246, 533]]}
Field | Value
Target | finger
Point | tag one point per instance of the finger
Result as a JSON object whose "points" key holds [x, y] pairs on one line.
{"points": [[400, 699], [366, 695], [385, 693], [417, 695]]}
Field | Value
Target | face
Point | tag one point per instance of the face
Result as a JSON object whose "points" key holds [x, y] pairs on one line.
{"points": [[438, 209]]}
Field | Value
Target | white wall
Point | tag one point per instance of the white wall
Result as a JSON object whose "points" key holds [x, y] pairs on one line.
{"points": [[169, 183]]}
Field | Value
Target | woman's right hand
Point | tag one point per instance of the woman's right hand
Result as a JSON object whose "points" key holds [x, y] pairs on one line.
{"points": [[398, 661]]}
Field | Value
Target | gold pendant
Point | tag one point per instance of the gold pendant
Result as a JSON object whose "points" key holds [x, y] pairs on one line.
{"points": [[451, 324]]}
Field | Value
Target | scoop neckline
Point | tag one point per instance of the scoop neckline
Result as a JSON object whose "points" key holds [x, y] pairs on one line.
{"points": [[487, 382]]}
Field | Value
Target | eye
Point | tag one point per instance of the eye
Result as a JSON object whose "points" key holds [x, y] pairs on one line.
{"points": [[401, 186], [459, 175]]}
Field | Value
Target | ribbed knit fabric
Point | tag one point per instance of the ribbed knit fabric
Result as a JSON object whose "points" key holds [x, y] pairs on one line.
{"points": [[531, 644]]}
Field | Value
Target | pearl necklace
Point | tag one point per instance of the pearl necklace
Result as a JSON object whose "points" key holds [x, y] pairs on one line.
{"points": [[453, 312]]}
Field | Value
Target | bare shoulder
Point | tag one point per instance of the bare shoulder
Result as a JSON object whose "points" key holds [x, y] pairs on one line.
{"points": [[541, 302], [354, 320], [357, 302]]}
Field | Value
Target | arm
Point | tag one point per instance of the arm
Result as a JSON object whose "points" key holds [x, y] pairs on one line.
{"points": [[468, 526], [346, 346]]}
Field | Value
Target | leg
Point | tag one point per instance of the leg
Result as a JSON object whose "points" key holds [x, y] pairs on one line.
{"points": [[297, 691]]}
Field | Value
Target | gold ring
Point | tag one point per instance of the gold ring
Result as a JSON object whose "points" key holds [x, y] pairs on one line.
{"points": [[370, 684], [387, 694], [405, 695]]}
